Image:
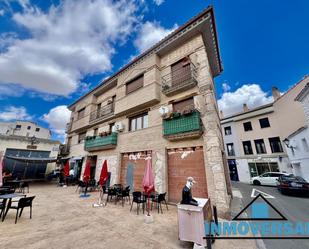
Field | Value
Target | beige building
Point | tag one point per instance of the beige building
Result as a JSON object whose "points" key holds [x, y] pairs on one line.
{"points": [[254, 138], [24, 128], [162, 104]]}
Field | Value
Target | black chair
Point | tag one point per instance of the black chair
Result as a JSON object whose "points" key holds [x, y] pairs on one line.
{"points": [[138, 199], [158, 199], [23, 186], [124, 194], [2, 207], [110, 193], [22, 203]]}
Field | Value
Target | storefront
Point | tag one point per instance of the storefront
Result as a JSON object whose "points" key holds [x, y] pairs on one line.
{"points": [[258, 168]]}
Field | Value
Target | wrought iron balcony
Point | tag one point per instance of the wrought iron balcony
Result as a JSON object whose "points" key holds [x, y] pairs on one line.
{"points": [[102, 113], [101, 142], [183, 126], [179, 80]]}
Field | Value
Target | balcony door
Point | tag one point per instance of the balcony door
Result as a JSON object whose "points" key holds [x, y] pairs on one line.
{"points": [[181, 72]]}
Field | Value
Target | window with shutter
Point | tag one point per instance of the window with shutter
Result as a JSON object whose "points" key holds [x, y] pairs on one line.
{"points": [[181, 71], [135, 84], [187, 104]]}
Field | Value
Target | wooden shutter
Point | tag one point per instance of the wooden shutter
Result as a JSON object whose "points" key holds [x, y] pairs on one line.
{"points": [[135, 84], [181, 72], [186, 104]]}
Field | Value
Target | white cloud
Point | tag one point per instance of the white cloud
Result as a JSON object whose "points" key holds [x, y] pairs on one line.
{"points": [[11, 90], [226, 87], [158, 2], [57, 118], [149, 34], [14, 113], [66, 43], [2, 12], [251, 94]]}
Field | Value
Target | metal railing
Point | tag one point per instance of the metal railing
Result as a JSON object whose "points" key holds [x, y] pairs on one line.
{"points": [[68, 127], [179, 80], [102, 113]]}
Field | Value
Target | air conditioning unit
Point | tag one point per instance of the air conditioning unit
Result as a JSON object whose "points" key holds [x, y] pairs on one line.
{"points": [[118, 126]]}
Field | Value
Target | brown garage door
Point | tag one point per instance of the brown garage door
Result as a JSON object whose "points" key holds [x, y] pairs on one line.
{"points": [[135, 174], [181, 164]]}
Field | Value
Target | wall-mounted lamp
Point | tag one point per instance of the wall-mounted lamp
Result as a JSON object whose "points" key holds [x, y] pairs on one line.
{"points": [[286, 141]]}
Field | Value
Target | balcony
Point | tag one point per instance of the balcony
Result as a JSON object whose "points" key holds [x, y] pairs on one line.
{"points": [[185, 126], [65, 149], [180, 80], [101, 142], [102, 114]]}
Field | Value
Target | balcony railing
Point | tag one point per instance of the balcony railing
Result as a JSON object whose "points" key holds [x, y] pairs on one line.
{"points": [[101, 142], [68, 127], [179, 80], [102, 113], [183, 126]]}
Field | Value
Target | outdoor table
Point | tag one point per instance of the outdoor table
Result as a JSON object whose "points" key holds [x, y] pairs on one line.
{"points": [[7, 206]]}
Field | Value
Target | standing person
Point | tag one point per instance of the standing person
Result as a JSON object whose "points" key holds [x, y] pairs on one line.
{"points": [[72, 180]]}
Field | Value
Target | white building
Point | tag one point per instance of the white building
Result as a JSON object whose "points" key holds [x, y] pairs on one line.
{"points": [[297, 143], [254, 138], [24, 128]]}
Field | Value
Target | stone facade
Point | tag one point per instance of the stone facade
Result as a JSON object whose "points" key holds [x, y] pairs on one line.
{"points": [[153, 65]]}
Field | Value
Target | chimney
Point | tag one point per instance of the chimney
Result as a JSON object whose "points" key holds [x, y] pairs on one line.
{"points": [[275, 92], [245, 107]]}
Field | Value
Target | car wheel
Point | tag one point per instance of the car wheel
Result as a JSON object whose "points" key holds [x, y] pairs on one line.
{"points": [[256, 182]]}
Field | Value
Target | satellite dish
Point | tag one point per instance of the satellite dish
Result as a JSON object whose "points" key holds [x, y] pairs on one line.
{"points": [[163, 110]]}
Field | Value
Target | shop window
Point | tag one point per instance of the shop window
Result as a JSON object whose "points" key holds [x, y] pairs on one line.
{"points": [[228, 130], [264, 123], [135, 84], [247, 147], [247, 126], [138, 122], [275, 144], [260, 146], [230, 149]]}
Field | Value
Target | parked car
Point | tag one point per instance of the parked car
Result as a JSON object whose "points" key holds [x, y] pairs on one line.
{"points": [[268, 178], [293, 185]]}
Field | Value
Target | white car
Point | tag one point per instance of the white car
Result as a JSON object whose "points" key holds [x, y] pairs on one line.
{"points": [[268, 178]]}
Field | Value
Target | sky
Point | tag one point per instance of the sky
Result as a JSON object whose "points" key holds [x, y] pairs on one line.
{"points": [[53, 51]]}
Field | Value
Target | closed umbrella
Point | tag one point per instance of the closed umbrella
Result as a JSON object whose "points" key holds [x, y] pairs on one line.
{"points": [[66, 169], [102, 181], [148, 180], [86, 177], [1, 167]]}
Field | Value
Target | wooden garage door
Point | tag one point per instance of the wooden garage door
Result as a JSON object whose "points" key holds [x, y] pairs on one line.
{"points": [[183, 163], [137, 169]]}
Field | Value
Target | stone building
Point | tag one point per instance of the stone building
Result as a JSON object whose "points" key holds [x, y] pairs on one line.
{"points": [[254, 138], [162, 104]]}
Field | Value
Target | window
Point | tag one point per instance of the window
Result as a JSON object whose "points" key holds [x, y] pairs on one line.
{"points": [[260, 146], [247, 126], [135, 84], [257, 169], [264, 123], [247, 147], [230, 149], [29, 128], [95, 132], [37, 129], [181, 72], [81, 113], [228, 130], [180, 106], [275, 144], [81, 137], [18, 127], [138, 122], [305, 144]]}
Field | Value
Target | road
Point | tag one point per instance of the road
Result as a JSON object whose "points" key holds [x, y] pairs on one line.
{"points": [[292, 207]]}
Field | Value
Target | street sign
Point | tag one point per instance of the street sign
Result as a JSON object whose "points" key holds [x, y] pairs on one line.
{"points": [[255, 192]]}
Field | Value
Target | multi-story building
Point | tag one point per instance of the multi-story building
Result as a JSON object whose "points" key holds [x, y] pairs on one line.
{"points": [[162, 104], [22, 143], [297, 143], [254, 138], [24, 128]]}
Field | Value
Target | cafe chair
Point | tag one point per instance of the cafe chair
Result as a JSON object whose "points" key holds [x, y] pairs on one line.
{"points": [[158, 199], [138, 199], [22, 203], [124, 194], [23, 186], [2, 207], [110, 193]]}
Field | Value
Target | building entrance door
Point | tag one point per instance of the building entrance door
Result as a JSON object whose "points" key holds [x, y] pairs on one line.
{"points": [[233, 170]]}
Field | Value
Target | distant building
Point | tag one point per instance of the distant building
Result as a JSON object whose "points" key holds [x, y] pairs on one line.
{"points": [[253, 139], [24, 128], [297, 143], [27, 142]]}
